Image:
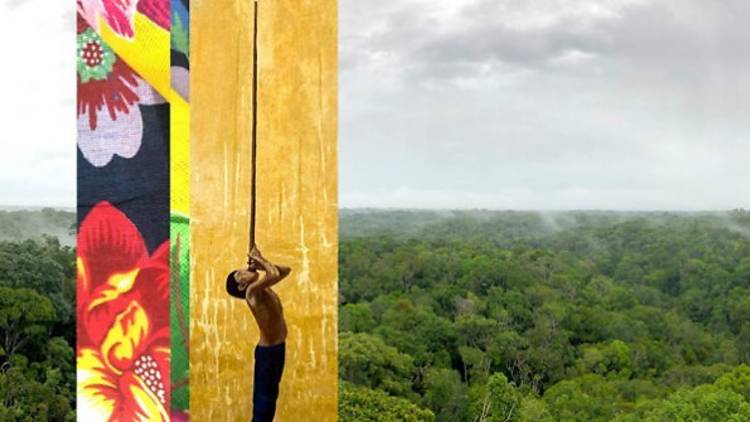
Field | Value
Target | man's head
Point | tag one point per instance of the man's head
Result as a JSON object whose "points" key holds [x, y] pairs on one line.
{"points": [[238, 280]]}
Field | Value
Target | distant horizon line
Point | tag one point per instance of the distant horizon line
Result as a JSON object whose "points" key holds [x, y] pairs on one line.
{"points": [[603, 210], [35, 207], [418, 209]]}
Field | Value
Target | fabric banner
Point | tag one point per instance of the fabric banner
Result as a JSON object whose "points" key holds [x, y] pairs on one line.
{"points": [[123, 284]]}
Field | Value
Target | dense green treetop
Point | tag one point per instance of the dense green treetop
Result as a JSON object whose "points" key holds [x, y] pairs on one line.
{"points": [[580, 316], [37, 331]]}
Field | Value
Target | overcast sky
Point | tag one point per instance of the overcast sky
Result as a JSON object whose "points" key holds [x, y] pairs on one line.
{"points": [[545, 104], [37, 111]]}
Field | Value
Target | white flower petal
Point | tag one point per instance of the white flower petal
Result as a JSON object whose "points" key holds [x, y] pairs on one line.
{"points": [[121, 137]]}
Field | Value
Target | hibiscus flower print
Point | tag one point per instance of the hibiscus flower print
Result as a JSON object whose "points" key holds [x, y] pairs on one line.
{"points": [[123, 353], [109, 92], [120, 14]]}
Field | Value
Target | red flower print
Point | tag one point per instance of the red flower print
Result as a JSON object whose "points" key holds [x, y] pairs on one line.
{"points": [[156, 10], [123, 321], [109, 95], [113, 85], [119, 14]]}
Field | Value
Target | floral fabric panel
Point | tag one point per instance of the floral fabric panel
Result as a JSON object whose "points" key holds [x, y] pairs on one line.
{"points": [[123, 284]]}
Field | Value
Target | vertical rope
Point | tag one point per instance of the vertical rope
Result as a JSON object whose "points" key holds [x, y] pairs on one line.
{"points": [[254, 136]]}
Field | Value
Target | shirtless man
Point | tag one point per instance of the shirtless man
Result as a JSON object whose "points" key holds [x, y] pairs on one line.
{"points": [[254, 285]]}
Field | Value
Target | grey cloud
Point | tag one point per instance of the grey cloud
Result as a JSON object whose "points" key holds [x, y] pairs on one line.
{"points": [[642, 105], [667, 33]]}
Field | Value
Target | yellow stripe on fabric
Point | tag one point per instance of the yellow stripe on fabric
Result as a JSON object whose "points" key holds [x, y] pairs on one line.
{"points": [[180, 154], [148, 53]]}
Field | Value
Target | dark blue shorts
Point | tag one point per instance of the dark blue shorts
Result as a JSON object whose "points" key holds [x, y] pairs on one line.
{"points": [[269, 366]]}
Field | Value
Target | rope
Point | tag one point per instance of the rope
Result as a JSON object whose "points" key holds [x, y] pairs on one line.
{"points": [[254, 136]]}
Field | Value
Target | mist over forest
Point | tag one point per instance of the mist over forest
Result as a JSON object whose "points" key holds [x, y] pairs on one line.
{"points": [[505, 226], [20, 224]]}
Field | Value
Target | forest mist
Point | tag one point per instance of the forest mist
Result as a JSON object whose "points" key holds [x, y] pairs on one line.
{"points": [[405, 222], [18, 223]]}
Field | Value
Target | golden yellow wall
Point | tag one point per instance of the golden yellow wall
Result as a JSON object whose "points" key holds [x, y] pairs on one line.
{"points": [[297, 208]]}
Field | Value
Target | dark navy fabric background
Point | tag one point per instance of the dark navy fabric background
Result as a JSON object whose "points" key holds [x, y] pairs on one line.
{"points": [[137, 186]]}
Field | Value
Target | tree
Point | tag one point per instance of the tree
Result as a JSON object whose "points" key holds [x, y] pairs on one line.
{"points": [[613, 360], [534, 410], [25, 316], [587, 398], [739, 309], [43, 266], [60, 357], [37, 326], [445, 394], [356, 318], [366, 360], [361, 404], [418, 331], [743, 343], [501, 401], [706, 403], [23, 399], [737, 380]]}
